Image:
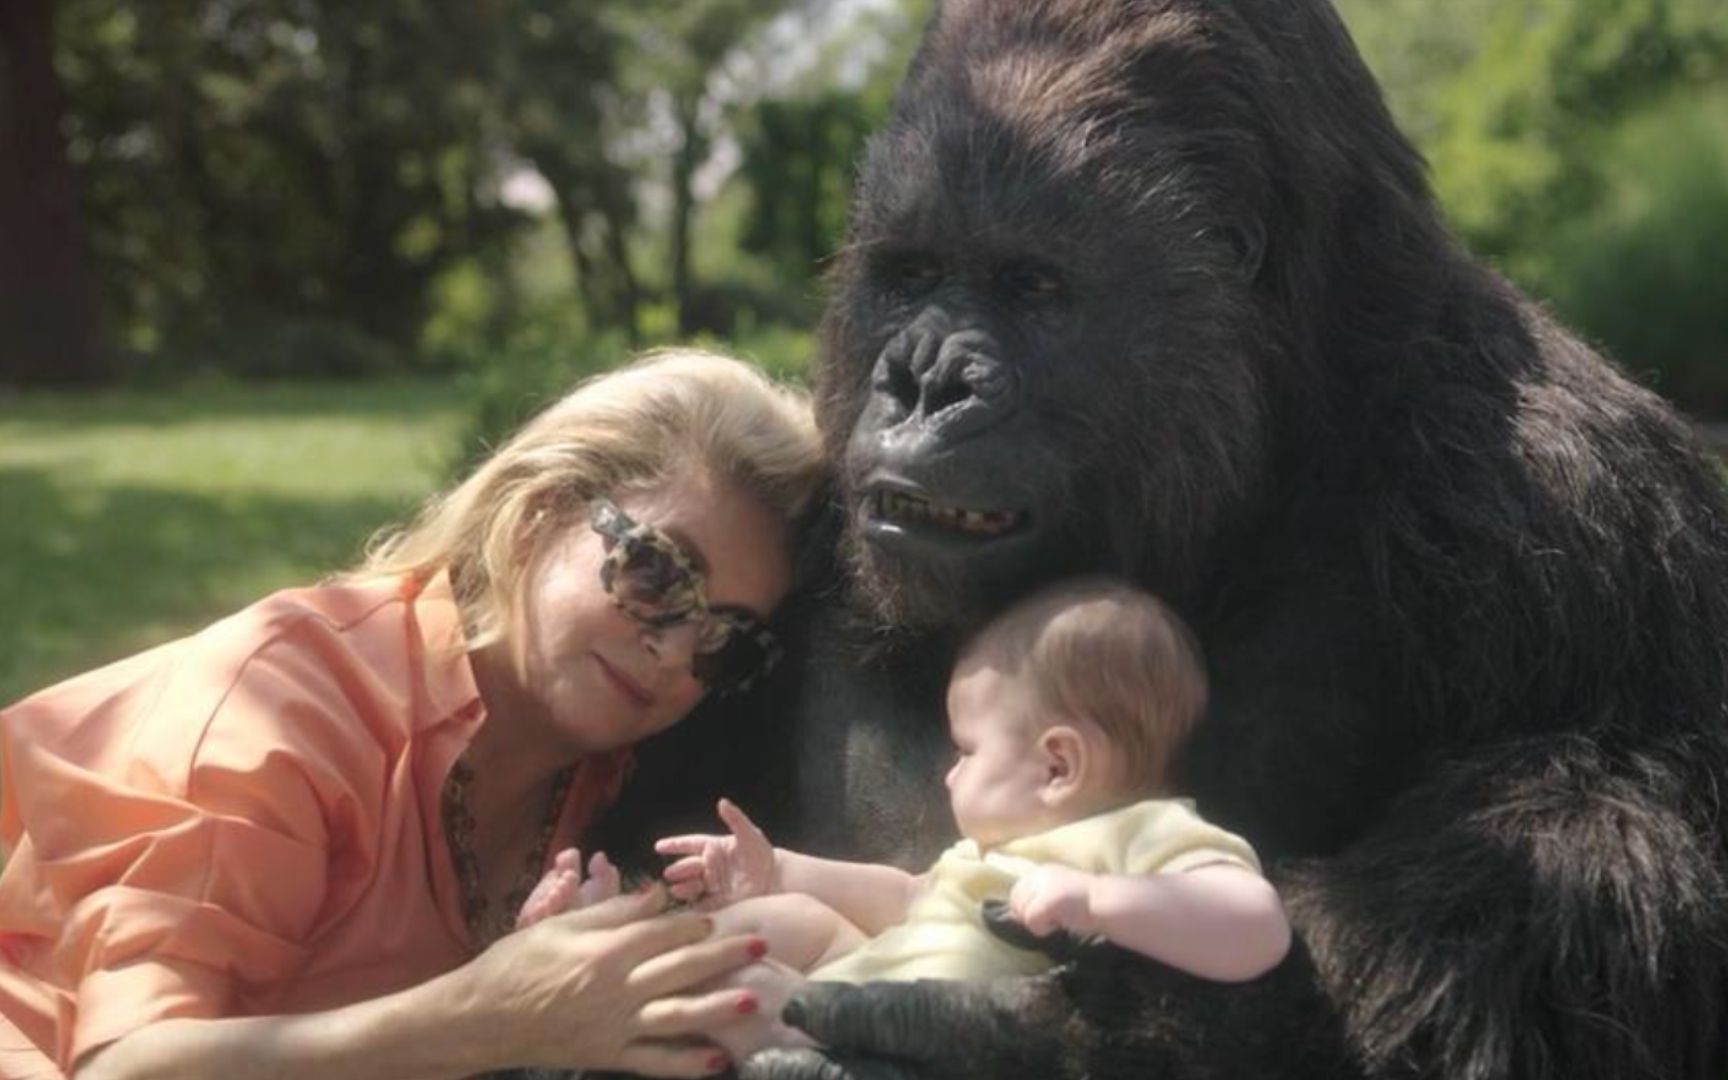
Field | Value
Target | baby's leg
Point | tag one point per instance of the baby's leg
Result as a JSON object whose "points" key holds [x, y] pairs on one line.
{"points": [[562, 889], [769, 985], [801, 931]]}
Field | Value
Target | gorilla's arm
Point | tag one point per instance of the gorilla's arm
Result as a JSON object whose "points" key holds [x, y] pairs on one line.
{"points": [[1466, 934], [1108, 1015], [1547, 907]]}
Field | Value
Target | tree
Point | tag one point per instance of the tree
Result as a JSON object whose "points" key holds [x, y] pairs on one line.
{"points": [[560, 108], [801, 145], [1508, 97], [798, 160], [275, 184], [686, 43], [48, 324]]}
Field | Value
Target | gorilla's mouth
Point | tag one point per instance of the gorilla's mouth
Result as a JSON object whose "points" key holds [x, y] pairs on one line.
{"points": [[904, 510]]}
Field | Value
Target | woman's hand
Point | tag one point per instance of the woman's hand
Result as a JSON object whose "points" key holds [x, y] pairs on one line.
{"points": [[719, 870], [614, 986]]}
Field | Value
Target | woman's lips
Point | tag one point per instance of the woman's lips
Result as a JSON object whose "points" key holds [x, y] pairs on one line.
{"points": [[627, 686]]}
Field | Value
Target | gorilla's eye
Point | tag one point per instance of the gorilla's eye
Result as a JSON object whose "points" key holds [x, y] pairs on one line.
{"points": [[909, 272], [1031, 280]]}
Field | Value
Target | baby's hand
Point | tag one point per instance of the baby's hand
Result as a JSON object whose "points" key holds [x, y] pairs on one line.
{"points": [[717, 870], [563, 888], [1053, 897]]}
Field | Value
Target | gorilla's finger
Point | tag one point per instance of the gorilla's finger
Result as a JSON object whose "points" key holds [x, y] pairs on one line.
{"points": [[1061, 945], [782, 1064], [945, 1028]]}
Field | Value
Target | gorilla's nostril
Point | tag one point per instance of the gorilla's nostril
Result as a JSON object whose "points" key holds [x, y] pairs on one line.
{"points": [[903, 386], [932, 371], [947, 392]]}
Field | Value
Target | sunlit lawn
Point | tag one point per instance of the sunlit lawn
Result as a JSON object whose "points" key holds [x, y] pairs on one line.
{"points": [[130, 518]]}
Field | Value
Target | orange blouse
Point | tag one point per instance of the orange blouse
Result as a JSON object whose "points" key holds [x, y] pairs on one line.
{"points": [[243, 822]]}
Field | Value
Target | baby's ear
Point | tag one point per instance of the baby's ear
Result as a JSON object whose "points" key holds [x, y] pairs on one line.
{"points": [[1066, 757]]}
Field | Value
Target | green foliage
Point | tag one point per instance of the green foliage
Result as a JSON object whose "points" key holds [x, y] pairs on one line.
{"points": [[317, 187], [1508, 98], [1516, 150], [801, 148], [135, 517], [513, 381], [1645, 270], [276, 177], [1577, 143], [516, 380], [784, 352], [798, 162], [293, 187], [560, 105]]}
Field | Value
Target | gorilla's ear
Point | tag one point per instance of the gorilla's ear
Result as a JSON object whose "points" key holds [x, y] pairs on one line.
{"points": [[1247, 237]]}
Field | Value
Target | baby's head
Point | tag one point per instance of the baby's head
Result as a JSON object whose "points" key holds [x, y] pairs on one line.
{"points": [[1067, 705]]}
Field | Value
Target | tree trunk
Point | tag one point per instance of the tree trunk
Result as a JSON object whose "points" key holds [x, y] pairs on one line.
{"points": [[614, 205], [684, 165], [48, 318], [819, 138], [596, 303]]}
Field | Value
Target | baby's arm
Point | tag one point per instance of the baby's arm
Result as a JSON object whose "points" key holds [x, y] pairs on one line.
{"points": [[1217, 920], [719, 870], [871, 896]]}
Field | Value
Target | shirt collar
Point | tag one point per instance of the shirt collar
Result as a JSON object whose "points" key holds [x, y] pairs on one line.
{"points": [[446, 674]]}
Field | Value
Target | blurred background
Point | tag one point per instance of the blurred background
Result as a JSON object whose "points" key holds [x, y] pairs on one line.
{"points": [[273, 270]]}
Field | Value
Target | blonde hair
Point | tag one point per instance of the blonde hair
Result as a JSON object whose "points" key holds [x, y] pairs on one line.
{"points": [[1103, 650], [626, 430]]}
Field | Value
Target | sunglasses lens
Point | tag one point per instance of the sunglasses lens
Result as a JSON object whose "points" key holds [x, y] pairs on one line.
{"points": [[652, 581], [649, 583], [741, 654], [714, 635]]}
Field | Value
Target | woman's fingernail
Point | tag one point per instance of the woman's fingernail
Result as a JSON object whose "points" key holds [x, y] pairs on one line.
{"points": [[717, 1061], [707, 925], [757, 948], [747, 1004]]}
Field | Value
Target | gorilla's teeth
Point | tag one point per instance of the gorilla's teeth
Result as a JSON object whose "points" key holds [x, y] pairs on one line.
{"points": [[911, 510]]}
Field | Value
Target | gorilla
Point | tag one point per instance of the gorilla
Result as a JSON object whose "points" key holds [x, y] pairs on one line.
{"points": [[1155, 287]]}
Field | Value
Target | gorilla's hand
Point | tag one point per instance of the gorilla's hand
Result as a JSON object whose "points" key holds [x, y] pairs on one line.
{"points": [[931, 1029], [1059, 945]]}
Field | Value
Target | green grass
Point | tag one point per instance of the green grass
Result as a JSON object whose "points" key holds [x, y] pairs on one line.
{"points": [[130, 518]]}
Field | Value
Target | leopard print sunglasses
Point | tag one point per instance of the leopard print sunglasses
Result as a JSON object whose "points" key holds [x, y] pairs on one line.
{"points": [[653, 581]]}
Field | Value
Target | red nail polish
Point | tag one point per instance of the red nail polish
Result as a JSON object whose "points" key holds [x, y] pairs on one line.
{"points": [[747, 1004], [757, 948], [717, 1061]]}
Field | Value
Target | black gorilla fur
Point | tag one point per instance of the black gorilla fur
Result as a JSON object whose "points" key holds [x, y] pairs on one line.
{"points": [[1161, 279]]}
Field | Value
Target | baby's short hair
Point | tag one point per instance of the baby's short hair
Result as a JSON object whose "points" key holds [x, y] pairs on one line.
{"points": [[1101, 649]]}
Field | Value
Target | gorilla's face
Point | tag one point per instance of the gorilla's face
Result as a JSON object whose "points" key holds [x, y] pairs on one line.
{"points": [[1039, 357]]}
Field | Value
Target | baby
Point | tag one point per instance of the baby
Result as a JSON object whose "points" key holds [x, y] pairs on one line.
{"points": [[1065, 712]]}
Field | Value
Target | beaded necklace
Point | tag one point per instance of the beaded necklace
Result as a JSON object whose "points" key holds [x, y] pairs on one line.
{"points": [[485, 925]]}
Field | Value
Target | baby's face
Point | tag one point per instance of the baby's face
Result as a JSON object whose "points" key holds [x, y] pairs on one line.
{"points": [[997, 781]]}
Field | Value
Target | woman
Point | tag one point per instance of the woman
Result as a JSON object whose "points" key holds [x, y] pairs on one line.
{"points": [[283, 845]]}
